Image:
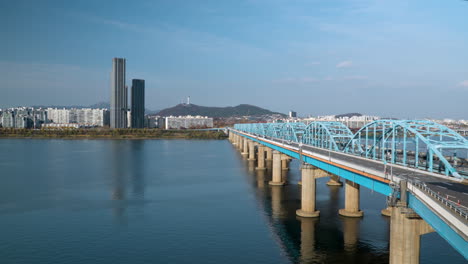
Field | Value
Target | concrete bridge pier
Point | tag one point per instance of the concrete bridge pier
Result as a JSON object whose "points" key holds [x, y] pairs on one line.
{"points": [[236, 139], [269, 158], [269, 154], [406, 229], [276, 178], [251, 150], [285, 162], [308, 192], [351, 201], [245, 147], [334, 181], [240, 141], [387, 211], [261, 158]]}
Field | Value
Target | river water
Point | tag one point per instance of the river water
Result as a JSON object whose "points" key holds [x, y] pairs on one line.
{"points": [[175, 201]]}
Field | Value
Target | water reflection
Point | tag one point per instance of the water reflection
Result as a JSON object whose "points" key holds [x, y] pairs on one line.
{"points": [[350, 233], [137, 168], [327, 239], [260, 175], [127, 163], [309, 254]]}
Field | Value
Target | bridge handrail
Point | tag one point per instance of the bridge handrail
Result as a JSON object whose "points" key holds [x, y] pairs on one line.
{"points": [[458, 209]]}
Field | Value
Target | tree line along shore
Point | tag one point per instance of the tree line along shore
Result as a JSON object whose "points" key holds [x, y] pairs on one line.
{"points": [[103, 133]]}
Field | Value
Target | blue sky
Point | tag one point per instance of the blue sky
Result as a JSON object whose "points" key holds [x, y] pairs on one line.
{"points": [[400, 58]]}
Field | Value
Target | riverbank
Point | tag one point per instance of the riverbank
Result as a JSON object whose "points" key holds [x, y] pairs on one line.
{"points": [[103, 133]]}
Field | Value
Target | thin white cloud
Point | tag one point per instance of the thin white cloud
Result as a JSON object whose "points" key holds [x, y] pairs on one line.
{"points": [[463, 83], [344, 64]]}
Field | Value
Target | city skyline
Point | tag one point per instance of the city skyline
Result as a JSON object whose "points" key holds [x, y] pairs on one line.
{"points": [[395, 59]]}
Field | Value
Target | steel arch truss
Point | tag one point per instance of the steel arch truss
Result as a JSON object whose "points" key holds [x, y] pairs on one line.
{"points": [[420, 144], [292, 131], [329, 135]]}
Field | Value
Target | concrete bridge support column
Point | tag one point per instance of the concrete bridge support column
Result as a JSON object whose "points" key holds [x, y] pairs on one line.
{"points": [[308, 192], [261, 158], [334, 181], [276, 178], [284, 162], [405, 236], [245, 147], [351, 201], [269, 154], [235, 139], [241, 143], [269, 158], [251, 150]]}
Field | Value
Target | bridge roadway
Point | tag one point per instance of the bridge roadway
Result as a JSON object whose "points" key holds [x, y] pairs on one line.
{"points": [[450, 188]]}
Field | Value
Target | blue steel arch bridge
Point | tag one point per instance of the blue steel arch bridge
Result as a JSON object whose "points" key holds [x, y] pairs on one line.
{"points": [[430, 157], [419, 144]]}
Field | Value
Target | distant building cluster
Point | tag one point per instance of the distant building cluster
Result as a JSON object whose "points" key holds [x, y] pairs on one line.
{"points": [[91, 117], [23, 117], [352, 122], [28, 117], [187, 122]]}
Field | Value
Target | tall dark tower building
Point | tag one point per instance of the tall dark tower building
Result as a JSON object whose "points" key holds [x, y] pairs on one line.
{"points": [[119, 95], [138, 103]]}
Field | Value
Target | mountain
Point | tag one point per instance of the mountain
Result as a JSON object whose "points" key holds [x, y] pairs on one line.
{"points": [[100, 105], [192, 109], [348, 115]]}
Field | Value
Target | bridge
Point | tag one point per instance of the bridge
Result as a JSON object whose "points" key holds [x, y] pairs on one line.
{"points": [[421, 167]]}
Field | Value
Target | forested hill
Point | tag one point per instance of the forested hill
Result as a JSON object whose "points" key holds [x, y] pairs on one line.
{"points": [[192, 109]]}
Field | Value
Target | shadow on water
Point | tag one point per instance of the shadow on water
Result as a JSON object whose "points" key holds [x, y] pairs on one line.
{"points": [[327, 239]]}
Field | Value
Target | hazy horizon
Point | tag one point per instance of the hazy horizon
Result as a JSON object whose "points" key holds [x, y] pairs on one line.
{"points": [[390, 59]]}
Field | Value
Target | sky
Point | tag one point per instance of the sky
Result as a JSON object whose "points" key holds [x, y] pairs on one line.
{"points": [[399, 58]]}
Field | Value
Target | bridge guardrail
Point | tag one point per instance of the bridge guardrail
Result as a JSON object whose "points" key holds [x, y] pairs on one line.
{"points": [[458, 209]]}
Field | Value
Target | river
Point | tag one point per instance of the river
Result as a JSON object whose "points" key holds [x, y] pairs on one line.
{"points": [[175, 201]]}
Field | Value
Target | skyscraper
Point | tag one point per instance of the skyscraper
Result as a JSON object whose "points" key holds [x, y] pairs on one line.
{"points": [[119, 95], [138, 103]]}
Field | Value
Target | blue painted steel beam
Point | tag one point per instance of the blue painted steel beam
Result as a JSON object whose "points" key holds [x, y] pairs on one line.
{"points": [[444, 230]]}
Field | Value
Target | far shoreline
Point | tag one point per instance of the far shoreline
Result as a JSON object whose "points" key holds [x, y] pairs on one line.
{"points": [[113, 134]]}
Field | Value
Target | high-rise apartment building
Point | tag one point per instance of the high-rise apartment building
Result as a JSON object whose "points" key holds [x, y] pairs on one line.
{"points": [[119, 95], [138, 104]]}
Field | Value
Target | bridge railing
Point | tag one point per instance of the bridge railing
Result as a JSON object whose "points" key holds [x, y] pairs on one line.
{"points": [[454, 206]]}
